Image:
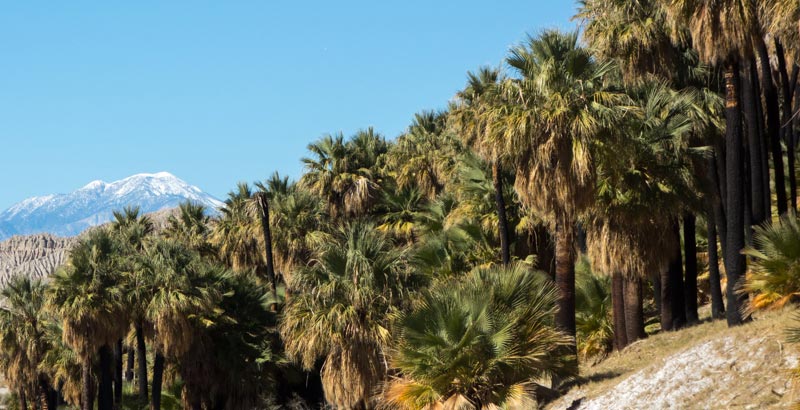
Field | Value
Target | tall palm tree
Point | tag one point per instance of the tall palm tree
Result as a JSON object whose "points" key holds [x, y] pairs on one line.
{"points": [[479, 342], [132, 230], [23, 326], [726, 32], [179, 304], [476, 128], [341, 309], [86, 296], [645, 166], [563, 104]]}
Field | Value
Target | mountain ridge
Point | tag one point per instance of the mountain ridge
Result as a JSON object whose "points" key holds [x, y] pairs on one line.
{"points": [[93, 204]]}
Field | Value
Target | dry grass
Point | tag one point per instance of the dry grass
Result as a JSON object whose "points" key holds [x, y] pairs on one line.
{"points": [[704, 366]]}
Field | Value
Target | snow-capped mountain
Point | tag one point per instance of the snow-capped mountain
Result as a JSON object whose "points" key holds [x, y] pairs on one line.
{"points": [[70, 214]]}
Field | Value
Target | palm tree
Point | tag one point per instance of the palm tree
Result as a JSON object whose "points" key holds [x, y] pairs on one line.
{"points": [[236, 232], [340, 311], [424, 157], [191, 226], [297, 224], [132, 230], [87, 298], [479, 342], [179, 304], [635, 35], [344, 173], [593, 317], [476, 128], [23, 326], [400, 210], [725, 32], [563, 105], [231, 356], [61, 364], [645, 166], [261, 200], [450, 244]]}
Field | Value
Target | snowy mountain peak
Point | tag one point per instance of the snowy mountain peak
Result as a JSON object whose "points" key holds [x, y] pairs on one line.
{"points": [[93, 204]]}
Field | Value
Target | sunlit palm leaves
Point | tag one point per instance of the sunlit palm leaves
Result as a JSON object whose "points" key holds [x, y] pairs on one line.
{"points": [[480, 341], [341, 308], [774, 279]]}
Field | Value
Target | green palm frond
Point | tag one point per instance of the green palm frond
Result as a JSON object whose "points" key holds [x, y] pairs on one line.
{"points": [[774, 279], [482, 339]]}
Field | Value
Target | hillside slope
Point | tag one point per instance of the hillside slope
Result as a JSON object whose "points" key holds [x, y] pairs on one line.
{"points": [[39, 255], [707, 366]]}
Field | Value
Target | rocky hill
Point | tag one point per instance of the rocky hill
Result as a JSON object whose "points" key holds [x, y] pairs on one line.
{"points": [[39, 255], [34, 255]]}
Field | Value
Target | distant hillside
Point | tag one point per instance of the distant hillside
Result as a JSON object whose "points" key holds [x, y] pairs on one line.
{"points": [[36, 255], [39, 255], [70, 214]]}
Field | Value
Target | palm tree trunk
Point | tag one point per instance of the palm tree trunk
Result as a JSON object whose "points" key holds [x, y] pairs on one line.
{"points": [[788, 138], [118, 372], [634, 309], [673, 305], [141, 367], [656, 279], [618, 311], [23, 400], [87, 393], [263, 206], [47, 395], [565, 278], [719, 180], [105, 398], [717, 305], [131, 360], [734, 260], [502, 220], [690, 256], [158, 377], [773, 123], [765, 150], [759, 214]]}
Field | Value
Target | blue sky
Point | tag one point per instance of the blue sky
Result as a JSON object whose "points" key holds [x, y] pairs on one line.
{"points": [[220, 92]]}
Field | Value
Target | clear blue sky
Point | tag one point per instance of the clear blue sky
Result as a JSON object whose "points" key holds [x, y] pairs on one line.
{"points": [[226, 91]]}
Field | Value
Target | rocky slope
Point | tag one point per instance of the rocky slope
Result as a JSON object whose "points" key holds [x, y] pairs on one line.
{"points": [[36, 255], [39, 255]]}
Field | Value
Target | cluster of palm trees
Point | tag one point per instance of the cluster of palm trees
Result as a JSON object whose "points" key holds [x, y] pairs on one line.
{"points": [[438, 270]]}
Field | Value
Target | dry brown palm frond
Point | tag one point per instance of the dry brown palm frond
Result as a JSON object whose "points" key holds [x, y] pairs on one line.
{"points": [[351, 375], [639, 249], [720, 29]]}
